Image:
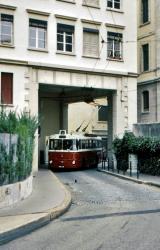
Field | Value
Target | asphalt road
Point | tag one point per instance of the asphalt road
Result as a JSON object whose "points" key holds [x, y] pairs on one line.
{"points": [[106, 213]]}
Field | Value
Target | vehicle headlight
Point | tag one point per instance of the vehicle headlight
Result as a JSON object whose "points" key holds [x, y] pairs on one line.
{"points": [[73, 162]]}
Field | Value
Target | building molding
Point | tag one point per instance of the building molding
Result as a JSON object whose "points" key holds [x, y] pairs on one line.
{"points": [[115, 26], [65, 68], [146, 35], [8, 7], [70, 18], [37, 12], [155, 80], [115, 10], [90, 5], [91, 21], [67, 1]]}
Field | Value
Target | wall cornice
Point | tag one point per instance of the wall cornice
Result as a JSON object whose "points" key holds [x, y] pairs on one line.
{"points": [[115, 26], [66, 17], [37, 12], [91, 21], [8, 7], [46, 66]]}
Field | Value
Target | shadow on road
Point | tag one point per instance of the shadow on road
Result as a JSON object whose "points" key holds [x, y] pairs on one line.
{"points": [[101, 216]]}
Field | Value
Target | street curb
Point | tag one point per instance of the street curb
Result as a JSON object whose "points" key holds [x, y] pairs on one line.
{"points": [[64, 206], [24, 229], [130, 178], [47, 217]]}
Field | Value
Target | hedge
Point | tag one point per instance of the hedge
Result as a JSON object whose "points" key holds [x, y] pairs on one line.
{"points": [[146, 148]]}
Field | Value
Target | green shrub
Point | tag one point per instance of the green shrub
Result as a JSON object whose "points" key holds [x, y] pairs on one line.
{"points": [[24, 125], [147, 149]]}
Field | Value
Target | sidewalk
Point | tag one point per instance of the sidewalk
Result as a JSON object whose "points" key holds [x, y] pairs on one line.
{"points": [[143, 178], [48, 200]]}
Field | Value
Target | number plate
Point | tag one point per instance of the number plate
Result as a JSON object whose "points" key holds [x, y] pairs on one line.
{"points": [[61, 166]]}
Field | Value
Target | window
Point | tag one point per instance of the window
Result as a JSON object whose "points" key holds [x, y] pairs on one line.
{"points": [[94, 3], [145, 13], [145, 95], [115, 4], [6, 29], [145, 51], [102, 113], [6, 88], [65, 34], [37, 34], [114, 45], [90, 42]]}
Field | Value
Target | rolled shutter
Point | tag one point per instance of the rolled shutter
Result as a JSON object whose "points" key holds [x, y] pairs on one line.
{"points": [[91, 2], [90, 43], [6, 88]]}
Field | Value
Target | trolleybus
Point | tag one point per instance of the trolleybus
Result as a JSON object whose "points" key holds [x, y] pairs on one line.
{"points": [[73, 151]]}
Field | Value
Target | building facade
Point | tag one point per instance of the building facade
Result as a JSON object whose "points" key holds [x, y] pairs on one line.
{"points": [[148, 61], [56, 52]]}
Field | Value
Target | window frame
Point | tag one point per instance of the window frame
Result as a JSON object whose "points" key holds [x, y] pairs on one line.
{"points": [[36, 29], [113, 3], [64, 35], [145, 58], [100, 107], [143, 12], [112, 43], [11, 26], [145, 101], [2, 101]]}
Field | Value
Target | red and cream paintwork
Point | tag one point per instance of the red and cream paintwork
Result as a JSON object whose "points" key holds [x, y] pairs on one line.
{"points": [[73, 151]]}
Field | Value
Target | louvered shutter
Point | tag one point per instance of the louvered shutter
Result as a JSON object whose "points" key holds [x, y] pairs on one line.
{"points": [[91, 2], [90, 43], [6, 88]]}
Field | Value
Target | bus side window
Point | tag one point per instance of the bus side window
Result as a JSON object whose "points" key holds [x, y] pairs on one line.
{"points": [[67, 144], [51, 144], [94, 144], [83, 144], [77, 144], [80, 144], [87, 143], [90, 145]]}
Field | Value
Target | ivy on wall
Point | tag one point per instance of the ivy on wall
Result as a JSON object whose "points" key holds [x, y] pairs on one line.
{"points": [[16, 145]]}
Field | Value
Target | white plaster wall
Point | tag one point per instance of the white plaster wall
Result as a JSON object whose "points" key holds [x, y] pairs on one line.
{"points": [[19, 83], [127, 18], [13, 193], [132, 102]]}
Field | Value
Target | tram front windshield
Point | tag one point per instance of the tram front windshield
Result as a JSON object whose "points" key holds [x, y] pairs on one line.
{"points": [[60, 144]]}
